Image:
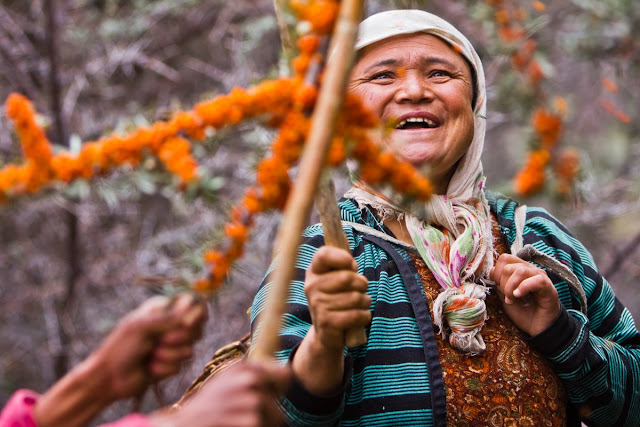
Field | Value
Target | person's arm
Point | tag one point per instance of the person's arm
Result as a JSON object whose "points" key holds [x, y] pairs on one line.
{"points": [[598, 359], [147, 345], [309, 402], [597, 355], [76, 399]]}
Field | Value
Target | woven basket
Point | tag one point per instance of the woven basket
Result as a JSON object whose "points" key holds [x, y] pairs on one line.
{"points": [[221, 360]]}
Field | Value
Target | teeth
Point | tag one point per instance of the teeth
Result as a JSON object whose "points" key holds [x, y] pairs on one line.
{"points": [[416, 120]]}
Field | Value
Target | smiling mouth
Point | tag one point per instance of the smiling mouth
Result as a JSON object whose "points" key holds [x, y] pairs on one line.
{"points": [[416, 123]]}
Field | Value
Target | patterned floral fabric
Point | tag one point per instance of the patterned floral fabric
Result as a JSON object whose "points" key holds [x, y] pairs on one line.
{"points": [[509, 384]]}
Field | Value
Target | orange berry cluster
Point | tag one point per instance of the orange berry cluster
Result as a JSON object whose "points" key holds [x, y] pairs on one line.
{"points": [[548, 126], [531, 178], [36, 170], [566, 168], [510, 22], [284, 103], [524, 62], [269, 192], [162, 139], [273, 183], [320, 14]]}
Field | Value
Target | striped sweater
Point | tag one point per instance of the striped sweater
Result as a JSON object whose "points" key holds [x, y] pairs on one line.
{"points": [[396, 380]]}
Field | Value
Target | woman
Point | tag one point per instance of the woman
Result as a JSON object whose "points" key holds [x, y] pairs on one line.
{"points": [[150, 344], [519, 354]]}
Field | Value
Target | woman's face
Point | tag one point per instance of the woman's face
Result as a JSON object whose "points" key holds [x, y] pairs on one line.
{"points": [[420, 85]]}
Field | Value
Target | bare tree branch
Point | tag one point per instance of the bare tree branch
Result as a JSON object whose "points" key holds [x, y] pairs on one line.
{"points": [[14, 29], [621, 257], [61, 358], [18, 79], [54, 80]]}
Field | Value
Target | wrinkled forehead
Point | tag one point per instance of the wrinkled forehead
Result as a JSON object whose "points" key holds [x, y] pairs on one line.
{"points": [[412, 44], [392, 23]]}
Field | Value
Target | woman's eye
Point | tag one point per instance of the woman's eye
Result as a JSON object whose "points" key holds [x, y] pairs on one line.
{"points": [[440, 73], [381, 76]]}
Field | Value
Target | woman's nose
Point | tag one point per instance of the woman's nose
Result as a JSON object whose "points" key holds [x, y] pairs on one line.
{"points": [[413, 88]]}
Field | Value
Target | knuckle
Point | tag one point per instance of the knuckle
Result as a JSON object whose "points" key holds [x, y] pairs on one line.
{"points": [[322, 252], [508, 270], [367, 300]]}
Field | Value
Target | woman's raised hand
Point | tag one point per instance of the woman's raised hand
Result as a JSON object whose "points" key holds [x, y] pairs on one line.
{"points": [[528, 295]]}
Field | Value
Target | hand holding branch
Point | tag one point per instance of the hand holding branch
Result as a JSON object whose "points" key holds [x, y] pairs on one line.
{"points": [[147, 345], [337, 302]]}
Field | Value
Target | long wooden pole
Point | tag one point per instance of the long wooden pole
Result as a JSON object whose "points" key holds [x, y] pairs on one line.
{"points": [[310, 169]]}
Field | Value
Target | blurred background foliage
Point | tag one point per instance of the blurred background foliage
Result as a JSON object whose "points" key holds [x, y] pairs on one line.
{"points": [[74, 259]]}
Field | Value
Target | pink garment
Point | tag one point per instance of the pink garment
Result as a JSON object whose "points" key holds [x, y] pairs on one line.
{"points": [[18, 412]]}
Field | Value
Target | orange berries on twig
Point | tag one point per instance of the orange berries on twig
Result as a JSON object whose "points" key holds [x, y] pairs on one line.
{"points": [[531, 177], [283, 103], [548, 127], [566, 168]]}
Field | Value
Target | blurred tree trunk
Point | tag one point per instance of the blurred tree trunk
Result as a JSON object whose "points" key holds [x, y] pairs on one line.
{"points": [[61, 356]]}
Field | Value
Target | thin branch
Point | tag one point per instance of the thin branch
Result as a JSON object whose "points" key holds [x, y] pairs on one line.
{"points": [[209, 70], [54, 80], [19, 79], [285, 36], [61, 359], [218, 20], [621, 256], [15, 30], [311, 165], [158, 67], [14, 46]]}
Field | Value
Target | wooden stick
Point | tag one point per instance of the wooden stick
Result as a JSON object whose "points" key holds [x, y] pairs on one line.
{"points": [[285, 36], [334, 236], [311, 165], [330, 214]]}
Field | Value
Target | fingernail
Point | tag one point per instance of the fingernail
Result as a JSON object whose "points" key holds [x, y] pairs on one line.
{"points": [[182, 302]]}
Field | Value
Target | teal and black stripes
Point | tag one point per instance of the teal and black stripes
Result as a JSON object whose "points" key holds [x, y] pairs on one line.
{"points": [[379, 381], [599, 361], [395, 419], [298, 418], [389, 334], [388, 384]]}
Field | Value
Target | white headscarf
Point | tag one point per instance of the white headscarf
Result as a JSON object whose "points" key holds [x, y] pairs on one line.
{"points": [[463, 210]]}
